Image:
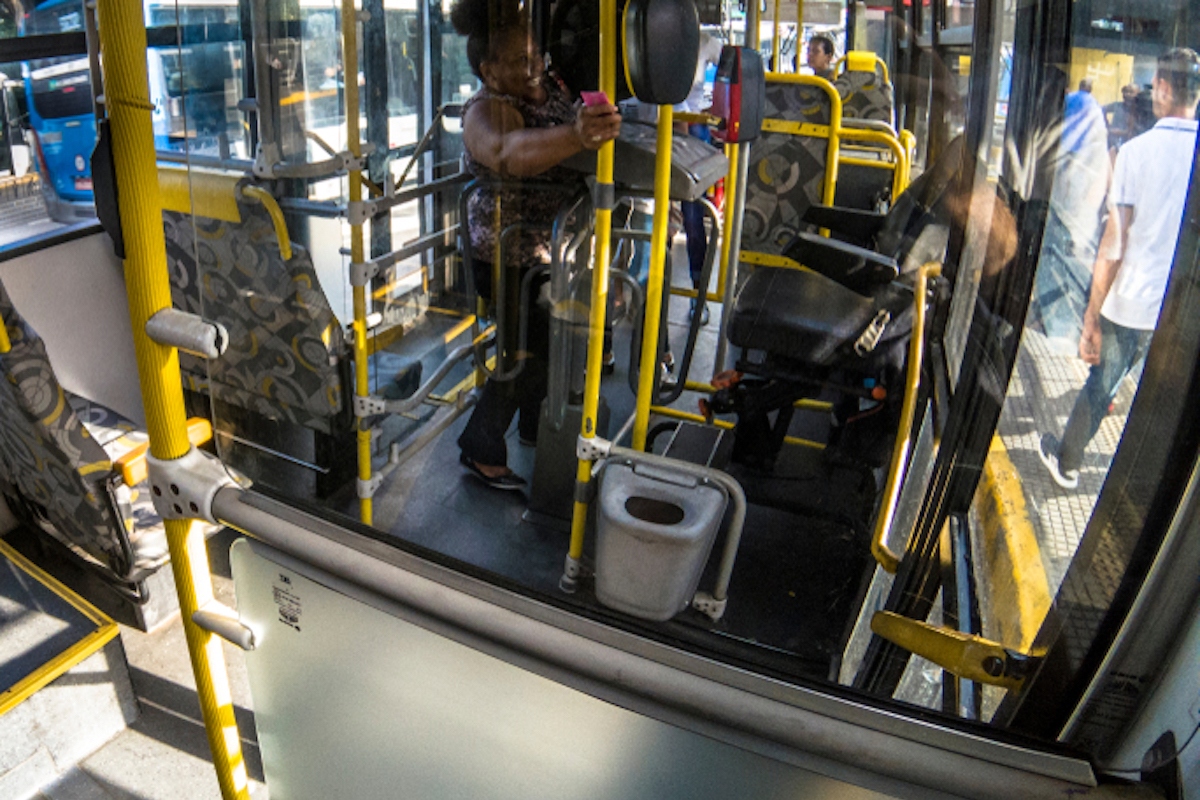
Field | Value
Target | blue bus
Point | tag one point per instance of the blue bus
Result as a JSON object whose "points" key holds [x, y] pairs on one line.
{"points": [[61, 126]]}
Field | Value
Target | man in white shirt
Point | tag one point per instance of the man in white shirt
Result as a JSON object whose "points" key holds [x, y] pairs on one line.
{"points": [[1148, 193]]}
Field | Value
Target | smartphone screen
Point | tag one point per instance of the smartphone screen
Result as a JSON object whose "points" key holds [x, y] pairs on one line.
{"points": [[594, 98]]}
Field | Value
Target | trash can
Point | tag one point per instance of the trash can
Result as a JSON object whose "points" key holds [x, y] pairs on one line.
{"points": [[654, 530]]}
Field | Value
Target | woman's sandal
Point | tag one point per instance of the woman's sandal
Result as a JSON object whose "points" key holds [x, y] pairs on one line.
{"points": [[509, 481]]}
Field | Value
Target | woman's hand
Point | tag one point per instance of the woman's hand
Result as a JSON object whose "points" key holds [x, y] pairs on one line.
{"points": [[595, 125]]}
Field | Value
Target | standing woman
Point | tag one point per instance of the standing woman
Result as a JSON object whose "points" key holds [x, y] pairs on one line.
{"points": [[521, 125]]}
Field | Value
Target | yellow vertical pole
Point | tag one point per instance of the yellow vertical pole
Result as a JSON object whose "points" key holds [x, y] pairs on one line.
{"points": [[775, 65], [604, 181], [354, 142], [731, 151], [123, 42], [648, 366]]}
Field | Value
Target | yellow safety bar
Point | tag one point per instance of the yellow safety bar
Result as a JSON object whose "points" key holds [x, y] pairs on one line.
{"points": [[354, 141], [891, 491], [672, 413], [900, 166], [105, 631], [648, 366], [775, 38], [862, 61], [603, 233], [834, 130], [123, 44], [200, 192], [268, 202]]}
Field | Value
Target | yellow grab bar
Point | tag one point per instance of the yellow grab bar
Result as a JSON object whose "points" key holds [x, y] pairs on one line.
{"points": [[268, 202], [891, 492]]}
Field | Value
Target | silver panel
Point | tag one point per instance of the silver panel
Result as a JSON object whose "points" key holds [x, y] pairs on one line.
{"points": [[808, 728], [354, 699]]}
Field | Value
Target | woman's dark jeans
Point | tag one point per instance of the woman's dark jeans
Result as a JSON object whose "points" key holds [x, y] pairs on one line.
{"points": [[482, 441]]}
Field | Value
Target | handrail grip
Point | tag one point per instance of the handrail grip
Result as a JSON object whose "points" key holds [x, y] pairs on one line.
{"points": [[891, 492], [268, 202]]}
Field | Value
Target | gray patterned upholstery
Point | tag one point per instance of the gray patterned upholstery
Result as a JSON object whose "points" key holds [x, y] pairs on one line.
{"points": [[285, 343], [786, 170], [866, 95], [56, 454]]}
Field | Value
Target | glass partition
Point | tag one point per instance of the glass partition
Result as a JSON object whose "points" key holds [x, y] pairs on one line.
{"points": [[873, 470]]}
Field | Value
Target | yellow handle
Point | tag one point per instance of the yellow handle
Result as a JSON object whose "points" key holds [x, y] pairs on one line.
{"points": [[968, 656], [268, 202], [891, 492], [132, 465]]}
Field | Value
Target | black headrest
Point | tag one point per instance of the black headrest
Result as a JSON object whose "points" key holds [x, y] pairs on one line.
{"points": [[662, 45]]}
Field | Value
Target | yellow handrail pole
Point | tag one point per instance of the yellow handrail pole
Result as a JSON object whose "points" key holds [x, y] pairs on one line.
{"points": [[891, 490], [354, 142], [123, 42], [776, 66], [603, 232], [731, 152], [799, 31], [276, 213], [648, 366]]}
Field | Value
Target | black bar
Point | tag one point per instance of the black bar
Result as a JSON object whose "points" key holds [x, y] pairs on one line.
{"points": [[47, 45]]}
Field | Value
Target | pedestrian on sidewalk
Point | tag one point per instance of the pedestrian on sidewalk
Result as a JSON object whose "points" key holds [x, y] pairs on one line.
{"points": [[1129, 279]]}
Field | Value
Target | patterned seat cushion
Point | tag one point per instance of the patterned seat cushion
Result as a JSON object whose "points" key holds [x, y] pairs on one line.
{"points": [[786, 171], [49, 457], [284, 341], [118, 436], [866, 95]]}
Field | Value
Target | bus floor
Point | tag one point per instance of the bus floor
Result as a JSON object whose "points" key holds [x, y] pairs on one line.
{"points": [[802, 561]]}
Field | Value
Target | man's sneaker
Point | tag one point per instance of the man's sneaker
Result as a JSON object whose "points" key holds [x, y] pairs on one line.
{"points": [[1048, 452]]}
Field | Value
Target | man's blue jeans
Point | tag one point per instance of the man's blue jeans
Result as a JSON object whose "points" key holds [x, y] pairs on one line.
{"points": [[1121, 349]]}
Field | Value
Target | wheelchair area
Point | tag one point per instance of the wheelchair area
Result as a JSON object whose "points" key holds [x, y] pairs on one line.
{"points": [[805, 544]]}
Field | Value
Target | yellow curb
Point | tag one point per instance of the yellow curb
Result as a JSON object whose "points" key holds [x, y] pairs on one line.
{"points": [[1019, 594]]}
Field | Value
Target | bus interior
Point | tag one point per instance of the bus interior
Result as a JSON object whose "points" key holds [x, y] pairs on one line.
{"points": [[803, 458]]}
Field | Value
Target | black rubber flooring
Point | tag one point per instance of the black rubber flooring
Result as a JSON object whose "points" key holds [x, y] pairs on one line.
{"points": [[804, 553]]}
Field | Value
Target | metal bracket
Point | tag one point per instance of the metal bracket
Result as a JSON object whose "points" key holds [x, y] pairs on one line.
{"points": [[591, 448], [870, 337], [221, 620], [359, 212], [604, 196], [361, 272], [188, 332], [572, 571], [709, 606], [369, 406], [368, 487], [184, 487]]}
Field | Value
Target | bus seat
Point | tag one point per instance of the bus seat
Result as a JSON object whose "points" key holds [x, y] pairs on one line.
{"points": [[787, 169], [287, 359], [57, 456], [852, 312], [865, 90]]}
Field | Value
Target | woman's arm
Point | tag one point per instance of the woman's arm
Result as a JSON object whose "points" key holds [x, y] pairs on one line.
{"points": [[495, 135]]}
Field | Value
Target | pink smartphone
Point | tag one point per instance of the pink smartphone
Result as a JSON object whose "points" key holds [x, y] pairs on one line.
{"points": [[595, 98]]}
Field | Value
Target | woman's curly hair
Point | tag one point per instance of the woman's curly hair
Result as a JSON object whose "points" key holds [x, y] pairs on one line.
{"points": [[485, 23]]}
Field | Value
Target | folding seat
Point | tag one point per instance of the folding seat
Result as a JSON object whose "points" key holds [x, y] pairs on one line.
{"points": [[67, 463]]}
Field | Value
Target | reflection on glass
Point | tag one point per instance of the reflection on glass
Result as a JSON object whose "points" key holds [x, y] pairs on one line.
{"points": [[1121, 156]]}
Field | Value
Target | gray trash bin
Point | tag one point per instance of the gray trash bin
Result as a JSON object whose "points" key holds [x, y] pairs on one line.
{"points": [[654, 531]]}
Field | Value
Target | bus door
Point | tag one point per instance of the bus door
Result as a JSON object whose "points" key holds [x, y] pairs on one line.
{"points": [[1052, 512]]}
